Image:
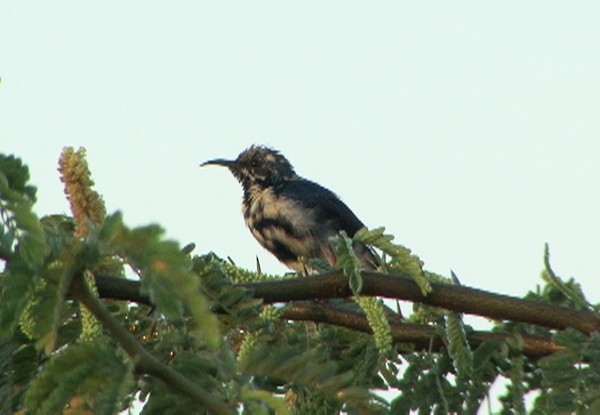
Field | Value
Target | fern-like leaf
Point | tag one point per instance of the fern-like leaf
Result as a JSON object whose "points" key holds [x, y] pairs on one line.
{"points": [[87, 370], [22, 242], [166, 271], [572, 293], [263, 402], [348, 262], [377, 318], [309, 369], [401, 258], [458, 347]]}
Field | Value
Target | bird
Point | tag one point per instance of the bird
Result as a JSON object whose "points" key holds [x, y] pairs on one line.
{"points": [[292, 217]]}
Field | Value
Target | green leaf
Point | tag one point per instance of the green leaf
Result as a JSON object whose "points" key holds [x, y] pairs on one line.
{"points": [[569, 289], [458, 347], [559, 369], [47, 304], [373, 308], [16, 176], [17, 286], [23, 242], [88, 370], [166, 271], [378, 321], [401, 258], [308, 368], [348, 262], [42, 316], [59, 233], [203, 368], [255, 399], [516, 387], [18, 364]]}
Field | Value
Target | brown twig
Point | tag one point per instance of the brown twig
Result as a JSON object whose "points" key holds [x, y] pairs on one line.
{"points": [[420, 335], [297, 292], [461, 299]]}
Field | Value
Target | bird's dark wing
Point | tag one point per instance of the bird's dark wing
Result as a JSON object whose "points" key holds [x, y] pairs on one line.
{"points": [[325, 205], [329, 216]]}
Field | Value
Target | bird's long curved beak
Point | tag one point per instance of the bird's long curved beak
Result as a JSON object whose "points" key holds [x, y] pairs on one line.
{"points": [[219, 162]]}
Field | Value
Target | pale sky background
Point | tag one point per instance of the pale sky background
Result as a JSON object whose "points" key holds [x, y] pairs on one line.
{"points": [[471, 130]]}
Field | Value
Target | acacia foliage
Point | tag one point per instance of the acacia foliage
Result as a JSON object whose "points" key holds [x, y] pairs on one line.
{"points": [[206, 345]]}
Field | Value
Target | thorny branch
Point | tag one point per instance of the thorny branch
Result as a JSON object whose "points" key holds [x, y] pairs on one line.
{"points": [[298, 293]]}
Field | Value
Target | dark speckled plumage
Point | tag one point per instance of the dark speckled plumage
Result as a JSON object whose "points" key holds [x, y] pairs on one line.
{"points": [[290, 216]]}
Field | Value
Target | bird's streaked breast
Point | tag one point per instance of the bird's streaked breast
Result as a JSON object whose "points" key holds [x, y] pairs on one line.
{"points": [[278, 222]]}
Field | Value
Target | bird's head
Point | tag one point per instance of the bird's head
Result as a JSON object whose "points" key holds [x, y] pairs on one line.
{"points": [[258, 166]]}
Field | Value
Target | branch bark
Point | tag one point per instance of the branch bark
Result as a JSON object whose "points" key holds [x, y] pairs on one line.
{"points": [[422, 336], [298, 293], [457, 298]]}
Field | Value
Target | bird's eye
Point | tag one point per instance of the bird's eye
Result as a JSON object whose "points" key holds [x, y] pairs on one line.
{"points": [[254, 163]]}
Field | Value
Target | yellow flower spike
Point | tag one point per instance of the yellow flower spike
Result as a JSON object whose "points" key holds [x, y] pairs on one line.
{"points": [[159, 266], [86, 205]]}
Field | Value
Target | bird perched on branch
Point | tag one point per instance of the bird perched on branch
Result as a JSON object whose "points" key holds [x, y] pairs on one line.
{"points": [[292, 217]]}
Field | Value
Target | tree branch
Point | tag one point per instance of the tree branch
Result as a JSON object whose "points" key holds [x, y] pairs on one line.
{"points": [[421, 335], [457, 298], [118, 288], [299, 291], [144, 361]]}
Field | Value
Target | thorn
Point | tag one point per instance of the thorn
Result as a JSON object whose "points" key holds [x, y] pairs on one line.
{"points": [[398, 310], [305, 269], [258, 270], [230, 260], [455, 279]]}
